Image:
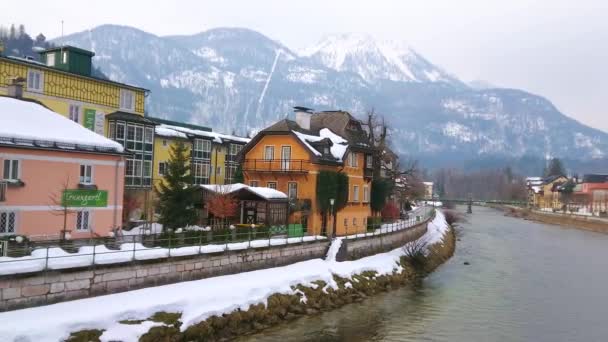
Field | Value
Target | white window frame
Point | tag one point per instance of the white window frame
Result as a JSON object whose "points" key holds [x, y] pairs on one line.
{"points": [[268, 148], [50, 59], [370, 161], [78, 225], [34, 75], [127, 99], [148, 135], [355, 193], [235, 149], [352, 159], [289, 184], [146, 169], [124, 130], [272, 185], [112, 130], [365, 194], [162, 170], [4, 229], [88, 168], [11, 172], [74, 112], [64, 57], [254, 183]]}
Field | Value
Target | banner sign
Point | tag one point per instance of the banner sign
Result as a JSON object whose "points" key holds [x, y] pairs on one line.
{"points": [[84, 198], [89, 119]]}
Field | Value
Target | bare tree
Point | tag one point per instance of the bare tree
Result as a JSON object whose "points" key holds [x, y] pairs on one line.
{"points": [[59, 207]]}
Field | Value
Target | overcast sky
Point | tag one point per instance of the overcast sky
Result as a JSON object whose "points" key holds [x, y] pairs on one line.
{"points": [[555, 48]]}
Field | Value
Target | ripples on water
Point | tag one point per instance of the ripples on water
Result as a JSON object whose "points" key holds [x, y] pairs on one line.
{"points": [[526, 282]]}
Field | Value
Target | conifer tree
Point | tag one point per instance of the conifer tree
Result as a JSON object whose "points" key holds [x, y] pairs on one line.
{"points": [[555, 168], [178, 198]]}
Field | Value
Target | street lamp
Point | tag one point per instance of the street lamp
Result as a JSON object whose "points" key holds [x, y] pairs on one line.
{"points": [[331, 204]]}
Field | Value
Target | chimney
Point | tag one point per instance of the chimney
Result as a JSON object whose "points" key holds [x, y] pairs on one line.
{"points": [[303, 115], [15, 88]]}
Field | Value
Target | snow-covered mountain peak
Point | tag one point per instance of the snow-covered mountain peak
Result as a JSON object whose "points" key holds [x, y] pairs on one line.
{"points": [[375, 59]]}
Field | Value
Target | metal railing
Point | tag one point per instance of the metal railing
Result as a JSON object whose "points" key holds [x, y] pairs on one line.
{"points": [[35, 256], [277, 165]]}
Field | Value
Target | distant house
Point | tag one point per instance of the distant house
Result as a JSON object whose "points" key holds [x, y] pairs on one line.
{"points": [[289, 155], [428, 190], [545, 193], [594, 188], [53, 169]]}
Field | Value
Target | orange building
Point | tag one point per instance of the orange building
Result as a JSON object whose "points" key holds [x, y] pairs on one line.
{"points": [[289, 155], [56, 176]]}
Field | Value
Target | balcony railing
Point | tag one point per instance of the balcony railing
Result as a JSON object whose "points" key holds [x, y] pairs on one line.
{"points": [[2, 191], [277, 165]]}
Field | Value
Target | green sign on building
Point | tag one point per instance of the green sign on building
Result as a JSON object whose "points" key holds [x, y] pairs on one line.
{"points": [[85, 198], [89, 119]]}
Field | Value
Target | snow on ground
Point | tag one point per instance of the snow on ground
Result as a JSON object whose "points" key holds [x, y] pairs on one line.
{"points": [[196, 300], [333, 249], [60, 259]]}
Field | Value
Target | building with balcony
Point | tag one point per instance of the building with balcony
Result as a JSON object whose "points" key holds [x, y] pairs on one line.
{"points": [[289, 155], [54, 171]]}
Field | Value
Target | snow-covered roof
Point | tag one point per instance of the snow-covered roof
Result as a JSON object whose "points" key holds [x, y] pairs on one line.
{"points": [[536, 189], [337, 149], [428, 183], [168, 132], [266, 193], [217, 137], [30, 123]]}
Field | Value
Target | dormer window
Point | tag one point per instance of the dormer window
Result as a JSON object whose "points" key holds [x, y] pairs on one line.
{"points": [[50, 60], [326, 150], [127, 100]]}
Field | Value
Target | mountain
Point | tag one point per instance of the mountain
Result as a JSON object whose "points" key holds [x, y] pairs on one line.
{"points": [[238, 80]]}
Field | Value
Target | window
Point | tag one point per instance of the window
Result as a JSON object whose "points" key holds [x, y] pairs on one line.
{"points": [[120, 131], [272, 185], [83, 218], [235, 149], [131, 133], [147, 169], [11, 169], [50, 59], [8, 222], [345, 222], [149, 136], [86, 174], [354, 221], [35, 80], [201, 172], [254, 183], [369, 161], [292, 190], [202, 149], [365, 194], [65, 57], [326, 150], [230, 172], [352, 160], [165, 142], [162, 168], [127, 99], [355, 193], [269, 153], [112, 133], [74, 114]]}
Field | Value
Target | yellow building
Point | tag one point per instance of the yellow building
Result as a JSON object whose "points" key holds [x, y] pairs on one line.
{"points": [[289, 155], [213, 156], [63, 82], [546, 195]]}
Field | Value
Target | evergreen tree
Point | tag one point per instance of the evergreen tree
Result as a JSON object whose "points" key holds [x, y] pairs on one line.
{"points": [[555, 168], [381, 189], [238, 175], [178, 199]]}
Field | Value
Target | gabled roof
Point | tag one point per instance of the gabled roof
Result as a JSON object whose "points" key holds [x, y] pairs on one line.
{"points": [[261, 192], [216, 137]]}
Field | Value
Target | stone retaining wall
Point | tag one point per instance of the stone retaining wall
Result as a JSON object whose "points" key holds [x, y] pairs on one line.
{"points": [[359, 248], [41, 288]]}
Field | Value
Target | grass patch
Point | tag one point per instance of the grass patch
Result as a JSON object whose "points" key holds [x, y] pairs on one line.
{"points": [[90, 335], [169, 318]]}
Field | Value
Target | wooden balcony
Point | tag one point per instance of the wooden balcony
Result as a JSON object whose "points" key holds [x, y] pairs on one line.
{"points": [[277, 165]]}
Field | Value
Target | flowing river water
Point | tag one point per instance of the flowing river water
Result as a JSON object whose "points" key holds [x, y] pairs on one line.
{"points": [[526, 281]]}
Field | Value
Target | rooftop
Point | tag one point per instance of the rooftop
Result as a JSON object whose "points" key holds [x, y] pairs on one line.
{"points": [[27, 123]]}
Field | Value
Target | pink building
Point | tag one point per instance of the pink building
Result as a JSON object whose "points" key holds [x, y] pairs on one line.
{"points": [[52, 171]]}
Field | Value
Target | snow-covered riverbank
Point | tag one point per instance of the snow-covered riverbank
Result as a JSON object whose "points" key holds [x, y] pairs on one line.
{"points": [[196, 300]]}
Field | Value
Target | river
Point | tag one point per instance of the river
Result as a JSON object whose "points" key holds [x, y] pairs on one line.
{"points": [[526, 281]]}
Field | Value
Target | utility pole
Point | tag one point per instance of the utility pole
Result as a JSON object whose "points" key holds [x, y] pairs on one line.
{"points": [[470, 204]]}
